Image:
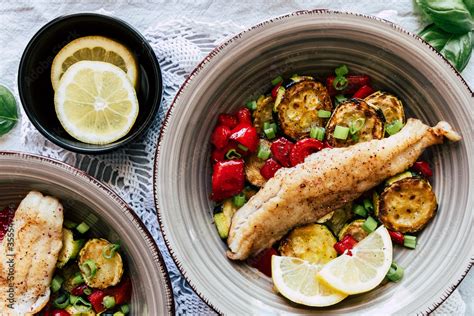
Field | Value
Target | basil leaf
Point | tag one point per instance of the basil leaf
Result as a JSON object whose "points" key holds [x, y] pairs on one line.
{"points": [[455, 48], [8, 110], [450, 15]]}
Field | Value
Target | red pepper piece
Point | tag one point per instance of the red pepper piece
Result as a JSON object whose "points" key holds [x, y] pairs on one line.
{"points": [[355, 82], [122, 293], [363, 92], [281, 149], [269, 168], [79, 290], [263, 261], [244, 116], [6, 218], [303, 148], [57, 312], [96, 299], [424, 168], [326, 145], [246, 135], [228, 179], [347, 243], [275, 90], [397, 237], [220, 136], [227, 120]]}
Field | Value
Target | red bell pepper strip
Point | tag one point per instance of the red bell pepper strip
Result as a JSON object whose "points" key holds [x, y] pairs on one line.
{"points": [[347, 243], [96, 299], [275, 90], [220, 136], [397, 237], [281, 149], [57, 312], [122, 293], [303, 148], [355, 82], [79, 290], [424, 168], [363, 92], [6, 218], [269, 168], [246, 135], [227, 120], [244, 116], [263, 261], [228, 179]]}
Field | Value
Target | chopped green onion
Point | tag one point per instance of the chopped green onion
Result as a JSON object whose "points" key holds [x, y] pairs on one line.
{"points": [[270, 133], [341, 71], [270, 130], [340, 98], [69, 224], [340, 83], [369, 225], [355, 126], [119, 313], [125, 309], [394, 127], [263, 152], [77, 279], [324, 114], [409, 241], [242, 147], [80, 304], [56, 283], [359, 210], [62, 301], [108, 302], [82, 228], [277, 80], [232, 153], [239, 199], [368, 205], [395, 273], [87, 291], [355, 137], [317, 132], [341, 132], [89, 268], [279, 97], [252, 105], [108, 252]]}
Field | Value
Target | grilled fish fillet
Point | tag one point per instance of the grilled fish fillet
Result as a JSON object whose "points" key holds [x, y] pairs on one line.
{"points": [[28, 255], [325, 181]]}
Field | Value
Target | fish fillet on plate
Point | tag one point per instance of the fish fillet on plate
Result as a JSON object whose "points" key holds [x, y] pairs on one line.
{"points": [[27, 265], [325, 181]]}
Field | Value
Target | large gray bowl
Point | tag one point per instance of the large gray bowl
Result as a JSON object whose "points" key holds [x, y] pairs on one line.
{"points": [[316, 42], [85, 198]]}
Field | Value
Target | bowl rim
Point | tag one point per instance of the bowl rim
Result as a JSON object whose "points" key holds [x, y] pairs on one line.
{"points": [[143, 230], [218, 50], [155, 104]]}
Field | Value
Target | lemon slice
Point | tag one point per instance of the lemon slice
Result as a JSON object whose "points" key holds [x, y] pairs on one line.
{"points": [[95, 102], [296, 280], [365, 269], [94, 48]]}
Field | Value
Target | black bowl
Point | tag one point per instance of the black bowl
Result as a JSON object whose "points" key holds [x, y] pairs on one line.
{"points": [[34, 82]]}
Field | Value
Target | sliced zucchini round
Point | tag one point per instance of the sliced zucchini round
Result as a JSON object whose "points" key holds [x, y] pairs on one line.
{"points": [[253, 164], [354, 229], [263, 113], [70, 248], [407, 205], [364, 121], [313, 243], [108, 271], [340, 217], [390, 105], [298, 111], [325, 218], [397, 177]]}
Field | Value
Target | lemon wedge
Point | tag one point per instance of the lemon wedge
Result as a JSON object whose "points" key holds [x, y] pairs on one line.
{"points": [[297, 280], [364, 269], [95, 102], [94, 48]]}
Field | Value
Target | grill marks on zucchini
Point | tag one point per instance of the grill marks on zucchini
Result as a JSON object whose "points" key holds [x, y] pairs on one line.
{"points": [[298, 111], [390, 105], [407, 205], [352, 112]]}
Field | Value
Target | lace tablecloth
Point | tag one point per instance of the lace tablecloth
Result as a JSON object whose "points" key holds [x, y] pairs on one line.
{"points": [[181, 35]]}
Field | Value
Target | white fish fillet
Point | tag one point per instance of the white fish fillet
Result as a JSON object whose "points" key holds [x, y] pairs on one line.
{"points": [[27, 265], [325, 181]]}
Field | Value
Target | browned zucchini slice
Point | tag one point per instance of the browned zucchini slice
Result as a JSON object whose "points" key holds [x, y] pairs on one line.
{"points": [[407, 205], [263, 113], [253, 164], [298, 111], [390, 105], [355, 112], [313, 243], [340, 217], [354, 229]]}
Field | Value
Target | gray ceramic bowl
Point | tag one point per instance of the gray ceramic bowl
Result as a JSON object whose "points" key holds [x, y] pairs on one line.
{"points": [[82, 195], [316, 42]]}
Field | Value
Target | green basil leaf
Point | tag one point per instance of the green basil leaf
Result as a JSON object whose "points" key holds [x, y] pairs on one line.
{"points": [[455, 48], [8, 110], [450, 15]]}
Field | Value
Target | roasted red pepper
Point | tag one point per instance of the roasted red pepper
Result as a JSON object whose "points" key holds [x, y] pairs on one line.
{"points": [[397, 237], [355, 82], [220, 136], [263, 261], [6, 218], [281, 149], [244, 116], [303, 148], [363, 92], [227, 120], [57, 312], [424, 168], [228, 179], [79, 290], [246, 135], [122, 293], [275, 89], [347, 243], [269, 168], [96, 299]]}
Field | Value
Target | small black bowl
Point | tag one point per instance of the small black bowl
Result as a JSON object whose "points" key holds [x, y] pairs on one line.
{"points": [[34, 82]]}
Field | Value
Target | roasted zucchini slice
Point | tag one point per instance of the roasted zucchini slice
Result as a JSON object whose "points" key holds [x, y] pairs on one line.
{"points": [[253, 164], [298, 111], [390, 105], [354, 229], [397, 177], [340, 217], [365, 122], [223, 219], [70, 248], [407, 205], [263, 113], [313, 243], [325, 218]]}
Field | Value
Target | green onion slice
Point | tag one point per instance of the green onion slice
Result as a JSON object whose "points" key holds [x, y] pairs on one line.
{"points": [[108, 302], [341, 132], [56, 283], [109, 251], [409, 241], [368, 205], [341, 71], [369, 225], [77, 279], [87, 291], [125, 309], [263, 152], [242, 147], [340, 83], [324, 114], [277, 80], [356, 125], [89, 268], [80, 304], [340, 98], [252, 105], [82, 228], [232, 153], [239, 199], [119, 313], [359, 210], [62, 301], [317, 133], [394, 127], [395, 273], [69, 224]]}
